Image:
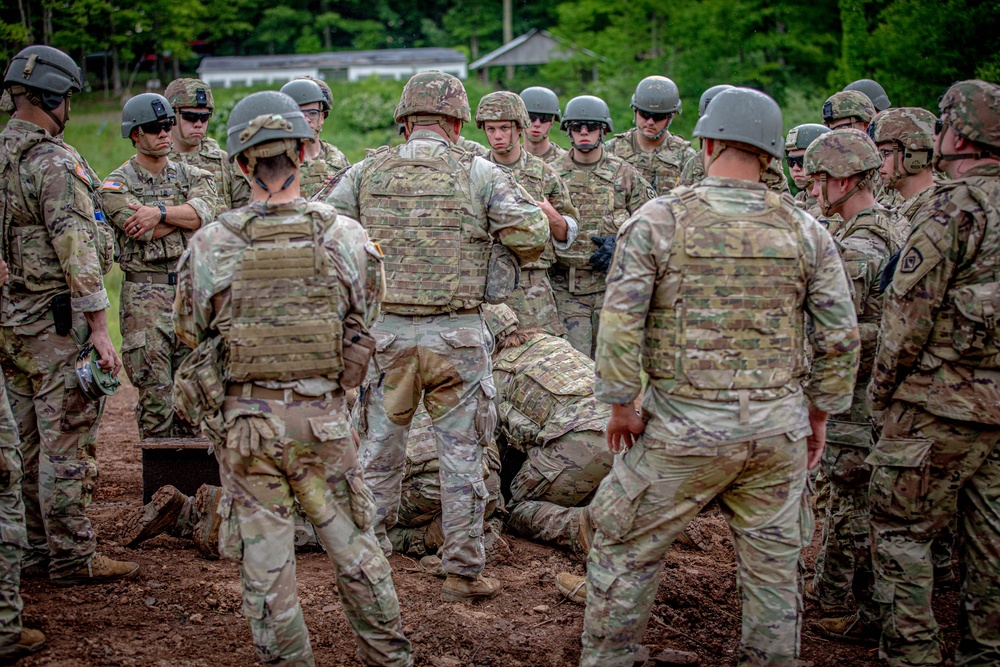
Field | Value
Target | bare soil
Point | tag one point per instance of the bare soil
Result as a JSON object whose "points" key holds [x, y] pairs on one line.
{"points": [[183, 610]]}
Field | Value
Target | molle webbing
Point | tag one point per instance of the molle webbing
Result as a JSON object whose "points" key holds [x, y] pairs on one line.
{"points": [[532, 178], [539, 375], [593, 194]]}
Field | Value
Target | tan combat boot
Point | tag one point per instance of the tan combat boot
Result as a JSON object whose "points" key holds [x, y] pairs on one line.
{"points": [[29, 642], [156, 516], [458, 589], [100, 570], [849, 628], [585, 533], [572, 586], [206, 529]]}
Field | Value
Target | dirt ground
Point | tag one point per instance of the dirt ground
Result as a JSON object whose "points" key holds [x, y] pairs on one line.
{"points": [[183, 610]]}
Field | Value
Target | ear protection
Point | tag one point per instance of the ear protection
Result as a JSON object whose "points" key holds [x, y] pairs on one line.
{"points": [[913, 161]]}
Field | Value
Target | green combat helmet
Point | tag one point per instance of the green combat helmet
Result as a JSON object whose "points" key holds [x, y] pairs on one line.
{"points": [[709, 95], [145, 108], [656, 94], [587, 108], [541, 100], [848, 104], [911, 132], [327, 93], [502, 105], [430, 95], [746, 116], [95, 382], [189, 93], [45, 76], [305, 91], [266, 124], [800, 136], [873, 91], [841, 154]]}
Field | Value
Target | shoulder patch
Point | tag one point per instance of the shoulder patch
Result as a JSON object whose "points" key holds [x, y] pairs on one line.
{"points": [[112, 185], [82, 174], [911, 261]]}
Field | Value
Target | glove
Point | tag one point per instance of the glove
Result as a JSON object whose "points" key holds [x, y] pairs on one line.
{"points": [[247, 433], [601, 259]]}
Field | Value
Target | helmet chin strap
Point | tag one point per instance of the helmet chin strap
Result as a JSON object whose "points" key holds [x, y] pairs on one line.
{"points": [[828, 205], [510, 146], [190, 143], [37, 101], [940, 157], [586, 148], [896, 173], [151, 153], [648, 137]]}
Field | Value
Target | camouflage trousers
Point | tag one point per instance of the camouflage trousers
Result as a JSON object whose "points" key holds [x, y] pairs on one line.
{"points": [[151, 354], [312, 460], [926, 470], [534, 303], [549, 492], [445, 361], [649, 497], [58, 430], [13, 537], [580, 313]]}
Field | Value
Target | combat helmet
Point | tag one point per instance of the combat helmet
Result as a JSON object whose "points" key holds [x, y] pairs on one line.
{"points": [[709, 95], [433, 94], [145, 108], [43, 73], [972, 109], [842, 153], [266, 124], [326, 93], [746, 116], [800, 136], [587, 108], [911, 131], [541, 100], [304, 91], [500, 320], [848, 104], [873, 91], [95, 382], [189, 93], [656, 94], [502, 105]]}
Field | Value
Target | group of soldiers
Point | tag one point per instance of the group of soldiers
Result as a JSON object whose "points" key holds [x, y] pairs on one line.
{"points": [[584, 347]]}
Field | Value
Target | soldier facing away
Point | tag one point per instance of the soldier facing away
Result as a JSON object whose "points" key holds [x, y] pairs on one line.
{"points": [[727, 413]]}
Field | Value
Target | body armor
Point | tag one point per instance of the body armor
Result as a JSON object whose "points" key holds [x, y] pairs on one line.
{"points": [[529, 172], [661, 167], [167, 250]]}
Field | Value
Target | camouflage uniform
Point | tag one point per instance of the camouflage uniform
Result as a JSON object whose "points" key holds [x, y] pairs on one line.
{"points": [[605, 194], [56, 251], [151, 352], [554, 156], [704, 439], [433, 344], [937, 374], [662, 166], [313, 174], [773, 177], [548, 411], [13, 536], [473, 147], [231, 183], [309, 456]]}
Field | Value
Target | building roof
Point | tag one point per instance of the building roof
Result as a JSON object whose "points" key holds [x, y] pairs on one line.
{"points": [[535, 47], [332, 59]]}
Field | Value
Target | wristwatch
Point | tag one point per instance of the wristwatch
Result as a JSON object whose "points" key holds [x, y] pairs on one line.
{"points": [[163, 211]]}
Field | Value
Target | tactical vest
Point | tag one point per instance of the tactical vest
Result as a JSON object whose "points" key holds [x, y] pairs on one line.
{"points": [[593, 194], [285, 320], [420, 211], [661, 167], [726, 318], [530, 174], [167, 249], [213, 159], [315, 173], [541, 376], [966, 328]]}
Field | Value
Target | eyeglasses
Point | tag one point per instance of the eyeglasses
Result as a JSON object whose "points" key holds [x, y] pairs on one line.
{"points": [[541, 117], [886, 153], [656, 117], [157, 126], [796, 161], [312, 114], [196, 116], [589, 125]]}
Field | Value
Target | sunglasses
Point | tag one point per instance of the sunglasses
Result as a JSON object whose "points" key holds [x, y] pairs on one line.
{"points": [[157, 126], [656, 117], [541, 117], [196, 116], [590, 126], [796, 161], [939, 126]]}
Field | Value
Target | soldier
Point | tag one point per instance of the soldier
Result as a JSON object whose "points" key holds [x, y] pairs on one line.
{"points": [[323, 160], [848, 109], [435, 209], [54, 305], [841, 164], [649, 146], [936, 375], [726, 412], [157, 205], [796, 143], [503, 117], [543, 110], [873, 91], [284, 432], [605, 190], [193, 104]]}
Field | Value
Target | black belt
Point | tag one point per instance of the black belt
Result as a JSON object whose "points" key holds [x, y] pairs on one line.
{"points": [[151, 277]]}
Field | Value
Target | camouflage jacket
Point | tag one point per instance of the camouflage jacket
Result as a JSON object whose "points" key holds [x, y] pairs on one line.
{"points": [[545, 389], [644, 246], [554, 155], [473, 147], [902, 217], [232, 185], [313, 174], [939, 346], [52, 242], [175, 185], [662, 166]]}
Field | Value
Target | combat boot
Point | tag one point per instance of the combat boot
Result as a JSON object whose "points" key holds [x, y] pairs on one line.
{"points": [[585, 533], [458, 588], [156, 516], [809, 591], [206, 529], [572, 586], [100, 570], [849, 629], [29, 642]]}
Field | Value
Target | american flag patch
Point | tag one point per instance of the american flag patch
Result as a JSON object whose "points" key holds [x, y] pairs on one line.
{"points": [[83, 175], [112, 185]]}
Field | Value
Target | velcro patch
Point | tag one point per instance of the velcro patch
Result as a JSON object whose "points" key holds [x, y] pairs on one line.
{"points": [[911, 261], [112, 185], [82, 173]]}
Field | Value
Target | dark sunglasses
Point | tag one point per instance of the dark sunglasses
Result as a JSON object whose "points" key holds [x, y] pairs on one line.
{"points": [[196, 116], [590, 125], [540, 117], [157, 126], [795, 161], [655, 117], [939, 126]]}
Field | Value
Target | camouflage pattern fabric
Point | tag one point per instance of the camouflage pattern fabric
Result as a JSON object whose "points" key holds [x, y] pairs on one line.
{"points": [[662, 166], [311, 458], [901, 221], [473, 147], [313, 174], [972, 108], [694, 172], [13, 537], [230, 181], [848, 104], [605, 195], [554, 155], [750, 454]]}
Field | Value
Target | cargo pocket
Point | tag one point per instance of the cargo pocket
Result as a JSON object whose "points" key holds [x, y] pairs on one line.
{"points": [[11, 531], [79, 413], [900, 477], [363, 506], [134, 358], [480, 494], [378, 574], [847, 446], [68, 480], [261, 622], [230, 539], [486, 411], [617, 501], [599, 609]]}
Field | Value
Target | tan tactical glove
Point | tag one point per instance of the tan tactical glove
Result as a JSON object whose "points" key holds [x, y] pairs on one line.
{"points": [[247, 433]]}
